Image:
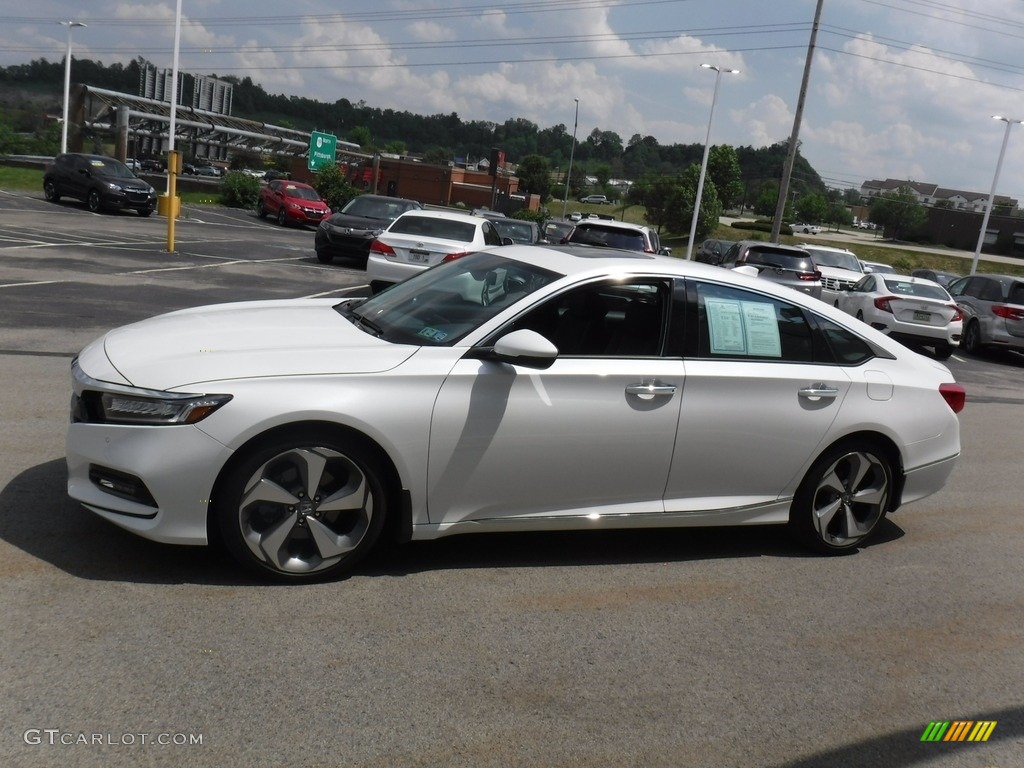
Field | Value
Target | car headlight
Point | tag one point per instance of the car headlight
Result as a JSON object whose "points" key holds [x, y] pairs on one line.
{"points": [[117, 408], [113, 187], [103, 402]]}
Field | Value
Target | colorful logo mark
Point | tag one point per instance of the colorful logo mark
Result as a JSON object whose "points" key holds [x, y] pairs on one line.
{"points": [[958, 730]]}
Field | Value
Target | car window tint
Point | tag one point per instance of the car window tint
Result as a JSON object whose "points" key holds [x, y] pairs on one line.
{"points": [[907, 288], [605, 319], [1016, 293], [445, 229], [738, 324], [990, 290]]}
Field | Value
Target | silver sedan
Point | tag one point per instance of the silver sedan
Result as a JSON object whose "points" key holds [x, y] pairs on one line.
{"points": [[521, 388]]}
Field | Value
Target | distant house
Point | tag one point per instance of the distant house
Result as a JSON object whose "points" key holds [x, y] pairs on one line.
{"points": [[933, 195]]}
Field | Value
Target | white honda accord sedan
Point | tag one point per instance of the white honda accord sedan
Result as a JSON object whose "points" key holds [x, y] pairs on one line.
{"points": [[521, 388]]}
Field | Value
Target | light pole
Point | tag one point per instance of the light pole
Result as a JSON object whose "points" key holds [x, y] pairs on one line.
{"points": [[572, 152], [992, 195], [704, 161], [67, 85]]}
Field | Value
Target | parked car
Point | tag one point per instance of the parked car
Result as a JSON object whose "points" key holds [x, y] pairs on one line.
{"points": [[940, 277], [878, 266], [912, 310], [575, 216], [518, 230], [188, 169], [519, 388], [616, 234], [207, 170], [102, 183], [556, 231], [596, 200], [420, 239], [993, 307], [805, 229], [712, 251], [785, 264], [840, 270], [349, 232], [133, 164], [272, 175], [153, 164], [291, 202]]}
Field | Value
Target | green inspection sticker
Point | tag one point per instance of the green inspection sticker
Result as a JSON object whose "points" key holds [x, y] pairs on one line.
{"points": [[434, 334]]}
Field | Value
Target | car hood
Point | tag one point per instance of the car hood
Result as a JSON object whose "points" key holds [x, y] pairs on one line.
{"points": [[244, 340], [344, 220]]}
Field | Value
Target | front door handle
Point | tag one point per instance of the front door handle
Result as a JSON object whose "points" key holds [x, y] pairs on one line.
{"points": [[819, 390], [651, 389]]}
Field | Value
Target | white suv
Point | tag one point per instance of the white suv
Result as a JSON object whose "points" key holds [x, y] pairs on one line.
{"points": [[840, 270]]}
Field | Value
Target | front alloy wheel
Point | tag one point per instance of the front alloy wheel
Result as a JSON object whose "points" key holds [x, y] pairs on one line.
{"points": [[303, 509], [93, 201], [50, 191], [282, 217], [843, 498]]}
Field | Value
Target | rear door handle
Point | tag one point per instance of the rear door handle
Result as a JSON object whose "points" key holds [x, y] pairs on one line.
{"points": [[819, 390]]}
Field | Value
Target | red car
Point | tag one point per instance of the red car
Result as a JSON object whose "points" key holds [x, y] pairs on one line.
{"points": [[292, 202]]}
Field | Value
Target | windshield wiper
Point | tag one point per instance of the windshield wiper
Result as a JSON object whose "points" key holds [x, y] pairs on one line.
{"points": [[360, 321]]}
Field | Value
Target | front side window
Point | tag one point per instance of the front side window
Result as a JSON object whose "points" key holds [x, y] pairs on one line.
{"points": [[611, 318]]}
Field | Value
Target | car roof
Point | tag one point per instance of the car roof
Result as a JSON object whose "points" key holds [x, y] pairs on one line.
{"points": [[777, 247], [816, 247], [613, 224]]}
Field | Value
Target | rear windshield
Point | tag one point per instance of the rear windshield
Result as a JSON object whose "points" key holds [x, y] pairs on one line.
{"points": [[445, 229], [907, 288], [783, 259], [375, 208], [609, 237]]}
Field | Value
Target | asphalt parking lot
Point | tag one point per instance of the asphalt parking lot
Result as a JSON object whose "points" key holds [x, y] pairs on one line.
{"points": [[645, 648]]}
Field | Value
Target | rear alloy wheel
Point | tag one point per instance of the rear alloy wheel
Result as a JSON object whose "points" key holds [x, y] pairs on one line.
{"points": [[261, 211], [50, 191], [972, 338], [93, 201], [943, 351], [303, 508], [843, 498]]}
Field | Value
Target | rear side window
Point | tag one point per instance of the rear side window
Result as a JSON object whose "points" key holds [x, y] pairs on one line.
{"points": [[1017, 293]]}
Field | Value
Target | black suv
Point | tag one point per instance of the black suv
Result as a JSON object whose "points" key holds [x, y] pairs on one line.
{"points": [[98, 181], [349, 232], [781, 263]]}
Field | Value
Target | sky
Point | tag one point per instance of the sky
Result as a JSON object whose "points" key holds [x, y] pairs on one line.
{"points": [[902, 89]]}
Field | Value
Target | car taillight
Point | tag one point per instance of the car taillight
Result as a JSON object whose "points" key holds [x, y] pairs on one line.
{"points": [[454, 256], [882, 303], [1008, 313], [958, 316], [382, 248], [954, 395], [809, 276]]}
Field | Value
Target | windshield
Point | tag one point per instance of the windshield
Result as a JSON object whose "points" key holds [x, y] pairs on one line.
{"points": [[114, 169], [519, 231], [302, 193], [441, 305], [838, 259]]}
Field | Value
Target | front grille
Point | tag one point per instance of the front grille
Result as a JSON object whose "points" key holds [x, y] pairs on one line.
{"points": [[835, 284]]}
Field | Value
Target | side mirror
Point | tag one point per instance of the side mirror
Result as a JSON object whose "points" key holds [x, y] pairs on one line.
{"points": [[507, 241], [525, 348]]}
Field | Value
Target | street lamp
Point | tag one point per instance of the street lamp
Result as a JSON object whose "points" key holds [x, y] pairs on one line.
{"points": [[572, 152], [704, 161], [992, 195], [67, 85]]}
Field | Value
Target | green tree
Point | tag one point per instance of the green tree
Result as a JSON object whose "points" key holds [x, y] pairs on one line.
{"points": [[898, 213], [812, 208], [360, 135], [331, 185], [724, 171], [680, 204], [535, 176]]}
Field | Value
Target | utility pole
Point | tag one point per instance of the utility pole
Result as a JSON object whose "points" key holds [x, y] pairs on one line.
{"points": [[787, 168]]}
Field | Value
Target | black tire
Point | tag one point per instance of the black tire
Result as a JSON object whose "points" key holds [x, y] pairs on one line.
{"points": [[144, 212], [943, 351], [843, 498], [93, 201], [289, 533], [261, 212], [972, 339], [50, 191], [860, 315], [324, 257], [282, 217]]}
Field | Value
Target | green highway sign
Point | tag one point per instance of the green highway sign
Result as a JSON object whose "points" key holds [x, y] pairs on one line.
{"points": [[322, 147]]}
